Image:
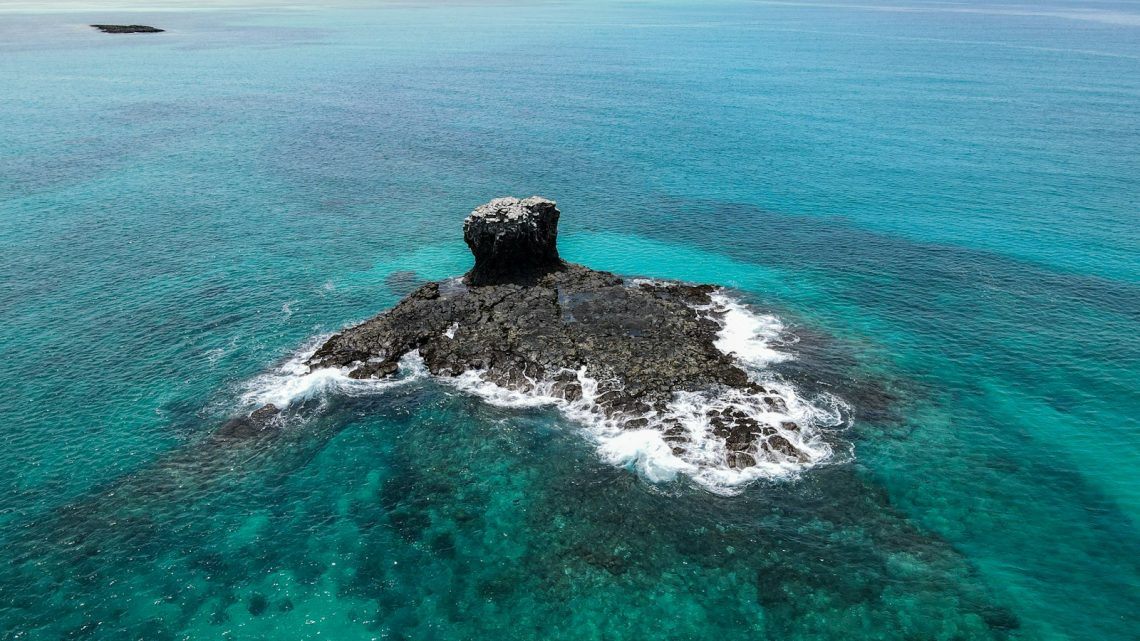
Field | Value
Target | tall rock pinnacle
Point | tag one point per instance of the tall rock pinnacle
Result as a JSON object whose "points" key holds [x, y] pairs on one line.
{"points": [[514, 241]]}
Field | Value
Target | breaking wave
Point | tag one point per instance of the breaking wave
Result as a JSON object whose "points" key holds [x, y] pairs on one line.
{"points": [[746, 336], [294, 382], [673, 442]]}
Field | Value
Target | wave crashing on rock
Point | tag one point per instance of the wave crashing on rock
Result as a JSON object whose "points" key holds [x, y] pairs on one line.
{"points": [[668, 378]]}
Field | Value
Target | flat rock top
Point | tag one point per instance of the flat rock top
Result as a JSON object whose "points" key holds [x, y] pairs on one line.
{"points": [[646, 334], [509, 209]]}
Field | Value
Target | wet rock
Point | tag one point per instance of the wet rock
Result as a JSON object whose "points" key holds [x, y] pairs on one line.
{"points": [[523, 316], [259, 423], [737, 460], [126, 28], [566, 385], [782, 445], [381, 369]]}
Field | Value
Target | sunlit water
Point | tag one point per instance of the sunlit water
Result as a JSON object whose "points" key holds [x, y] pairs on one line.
{"points": [[936, 202]]}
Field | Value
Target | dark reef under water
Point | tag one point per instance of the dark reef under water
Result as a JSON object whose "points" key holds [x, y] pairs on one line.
{"points": [[422, 510]]}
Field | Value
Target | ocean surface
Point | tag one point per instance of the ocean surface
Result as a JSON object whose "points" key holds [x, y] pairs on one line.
{"points": [[932, 211]]}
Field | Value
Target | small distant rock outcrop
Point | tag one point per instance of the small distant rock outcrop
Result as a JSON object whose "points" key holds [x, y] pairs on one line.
{"points": [[127, 28], [526, 320]]}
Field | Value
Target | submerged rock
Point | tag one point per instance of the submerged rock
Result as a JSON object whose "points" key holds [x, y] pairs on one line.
{"points": [[126, 28], [527, 321], [262, 422], [403, 283]]}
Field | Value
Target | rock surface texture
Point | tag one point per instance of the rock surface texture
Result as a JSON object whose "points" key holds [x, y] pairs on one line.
{"points": [[526, 321], [514, 241]]}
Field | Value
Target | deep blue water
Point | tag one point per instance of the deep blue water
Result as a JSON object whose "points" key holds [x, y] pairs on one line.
{"points": [[940, 202]]}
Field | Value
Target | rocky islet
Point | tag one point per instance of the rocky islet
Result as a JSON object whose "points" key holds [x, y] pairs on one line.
{"points": [[625, 349]]}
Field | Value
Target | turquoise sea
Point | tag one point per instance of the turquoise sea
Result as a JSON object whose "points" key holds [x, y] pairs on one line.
{"points": [[940, 201]]}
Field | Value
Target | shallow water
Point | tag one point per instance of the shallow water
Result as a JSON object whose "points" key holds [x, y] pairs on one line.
{"points": [[938, 203]]}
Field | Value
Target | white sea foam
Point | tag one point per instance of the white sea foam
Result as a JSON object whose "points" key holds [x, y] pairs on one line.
{"points": [[702, 456], [294, 382], [745, 335]]}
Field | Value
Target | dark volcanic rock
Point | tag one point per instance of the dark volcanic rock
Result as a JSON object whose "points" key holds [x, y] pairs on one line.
{"points": [[645, 335], [514, 241], [126, 28], [522, 317]]}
